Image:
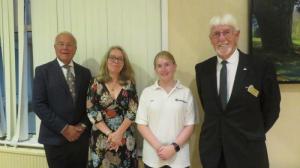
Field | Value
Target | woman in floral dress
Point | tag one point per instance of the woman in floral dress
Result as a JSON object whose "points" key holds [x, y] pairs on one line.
{"points": [[111, 106]]}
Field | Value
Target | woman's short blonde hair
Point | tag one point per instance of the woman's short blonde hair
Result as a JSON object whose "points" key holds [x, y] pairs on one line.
{"points": [[126, 74], [164, 54]]}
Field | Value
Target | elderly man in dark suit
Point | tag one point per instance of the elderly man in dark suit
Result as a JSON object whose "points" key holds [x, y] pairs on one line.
{"points": [[59, 97], [241, 100]]}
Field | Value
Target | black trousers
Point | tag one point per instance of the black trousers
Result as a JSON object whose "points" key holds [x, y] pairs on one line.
{"points": [[222, 162], [69, 155], [166, 166]]}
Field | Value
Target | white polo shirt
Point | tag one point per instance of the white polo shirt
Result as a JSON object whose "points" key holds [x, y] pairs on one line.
{"points": [[166, 114]]}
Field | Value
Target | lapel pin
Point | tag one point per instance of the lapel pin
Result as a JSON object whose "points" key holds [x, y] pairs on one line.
{"points": [[244, 69]]}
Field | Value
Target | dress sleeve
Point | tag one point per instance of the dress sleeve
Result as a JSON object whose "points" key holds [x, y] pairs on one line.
{"points": [[132, 103], [141, 116], [93, 108]]}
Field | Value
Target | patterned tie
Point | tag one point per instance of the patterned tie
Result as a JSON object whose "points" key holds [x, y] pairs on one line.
{"points": [[70, 81], [223, 85]]}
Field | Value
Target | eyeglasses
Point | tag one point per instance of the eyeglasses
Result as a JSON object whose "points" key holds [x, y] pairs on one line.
{"points": [[115, 59], [226, 34], [67, 45]]}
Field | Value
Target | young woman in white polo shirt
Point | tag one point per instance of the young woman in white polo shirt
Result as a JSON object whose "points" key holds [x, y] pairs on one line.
{"points": [[166, 117]]}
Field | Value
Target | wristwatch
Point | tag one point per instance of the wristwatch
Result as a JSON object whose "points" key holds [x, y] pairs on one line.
{"points": [[176, 146]]}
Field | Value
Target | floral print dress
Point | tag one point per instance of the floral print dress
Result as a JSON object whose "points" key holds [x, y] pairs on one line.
{"points": [[101, 106]]}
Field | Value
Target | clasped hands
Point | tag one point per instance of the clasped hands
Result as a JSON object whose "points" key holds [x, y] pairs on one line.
{"points": [[165, 152], [73, 132], [114, 140]]}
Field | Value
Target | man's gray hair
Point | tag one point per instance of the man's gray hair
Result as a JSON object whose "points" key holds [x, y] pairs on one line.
{"points": [[226, 19], [66, 33]]}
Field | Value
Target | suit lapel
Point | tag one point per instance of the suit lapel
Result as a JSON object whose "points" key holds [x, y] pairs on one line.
{"points": [[213, 80], [78, 76], [60, 76], [241, 73]]}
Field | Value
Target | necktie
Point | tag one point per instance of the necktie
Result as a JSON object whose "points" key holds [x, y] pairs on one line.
{"points": [[223, 85], [70, 81]]}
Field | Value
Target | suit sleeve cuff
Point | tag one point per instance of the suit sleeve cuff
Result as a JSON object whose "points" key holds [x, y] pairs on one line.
{"points": [[64, 128]]}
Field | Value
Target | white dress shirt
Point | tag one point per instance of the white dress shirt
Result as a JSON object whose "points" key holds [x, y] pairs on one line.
{"points": [[61, 64], [232, 64]]}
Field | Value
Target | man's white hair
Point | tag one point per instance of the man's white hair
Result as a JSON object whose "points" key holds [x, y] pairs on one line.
{"points": [[226, 19], [66, 33]]}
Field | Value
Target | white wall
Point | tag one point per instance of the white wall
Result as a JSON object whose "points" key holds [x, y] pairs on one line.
{"points": [[97, 25]]}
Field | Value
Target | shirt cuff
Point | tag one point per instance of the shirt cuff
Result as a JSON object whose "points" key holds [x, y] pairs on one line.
{"points": [[65, 127], [83, 125]]}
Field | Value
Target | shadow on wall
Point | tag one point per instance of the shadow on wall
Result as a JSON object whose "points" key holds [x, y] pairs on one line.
{"points": [[194, 142], [93, 65], [143, 78]]}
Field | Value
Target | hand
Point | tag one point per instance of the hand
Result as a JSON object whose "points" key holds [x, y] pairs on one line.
{"points": [[166, 152], [115, 139], [72, 133], [80, 127], [113, 146]]}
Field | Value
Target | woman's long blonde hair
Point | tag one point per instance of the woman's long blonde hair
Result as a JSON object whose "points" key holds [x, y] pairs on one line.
{"points": [[126, 74]]}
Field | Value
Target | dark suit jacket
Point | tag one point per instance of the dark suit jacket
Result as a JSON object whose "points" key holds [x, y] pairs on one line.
{"points": [[239, 130], [53, 102]]}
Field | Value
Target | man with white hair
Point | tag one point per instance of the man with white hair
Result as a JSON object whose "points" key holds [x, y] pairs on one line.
{"points": [[59, 100], [241, 101]]}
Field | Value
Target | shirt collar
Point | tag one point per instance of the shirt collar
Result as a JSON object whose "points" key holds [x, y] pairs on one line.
{"points": [[178, 85], [61, 64], [233, 59]]}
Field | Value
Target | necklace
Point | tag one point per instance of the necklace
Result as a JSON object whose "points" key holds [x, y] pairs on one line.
{"points": [[113, 86]]}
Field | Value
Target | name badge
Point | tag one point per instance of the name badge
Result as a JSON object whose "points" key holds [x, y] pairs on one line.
{"points": [[252, 90]]}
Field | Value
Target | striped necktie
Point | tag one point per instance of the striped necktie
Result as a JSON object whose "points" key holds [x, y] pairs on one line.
{"points": [[70, 81]]}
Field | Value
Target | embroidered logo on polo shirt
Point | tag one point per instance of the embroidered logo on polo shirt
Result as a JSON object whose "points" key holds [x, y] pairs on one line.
{"points": [[183, 101]]}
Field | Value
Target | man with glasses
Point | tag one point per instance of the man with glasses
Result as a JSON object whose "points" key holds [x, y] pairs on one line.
{"points": [[59, 97], [241, 101]]}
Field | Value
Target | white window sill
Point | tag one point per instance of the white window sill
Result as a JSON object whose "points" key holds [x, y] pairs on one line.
{"points": [[32, 142]]}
